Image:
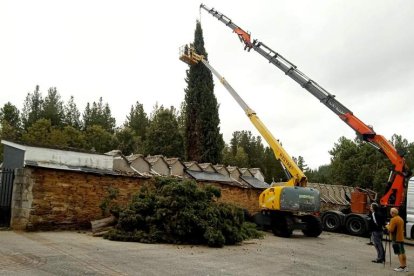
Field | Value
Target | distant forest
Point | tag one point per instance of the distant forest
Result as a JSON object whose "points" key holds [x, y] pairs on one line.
{"points": [[49, 121]]}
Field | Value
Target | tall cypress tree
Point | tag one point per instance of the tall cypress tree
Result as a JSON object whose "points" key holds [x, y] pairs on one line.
{"points": [[203, 140]]}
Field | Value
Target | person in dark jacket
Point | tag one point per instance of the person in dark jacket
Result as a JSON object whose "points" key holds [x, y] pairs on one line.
{"points": [[377, 229]]}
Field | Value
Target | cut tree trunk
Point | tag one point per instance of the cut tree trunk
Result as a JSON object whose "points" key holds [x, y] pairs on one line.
{"points": [[101, 226]]}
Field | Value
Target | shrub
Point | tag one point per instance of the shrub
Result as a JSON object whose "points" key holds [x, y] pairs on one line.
{"points": [[181, 212]]}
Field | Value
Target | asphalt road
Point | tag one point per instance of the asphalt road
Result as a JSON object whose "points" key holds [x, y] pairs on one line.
{"points": [[73, 253]]}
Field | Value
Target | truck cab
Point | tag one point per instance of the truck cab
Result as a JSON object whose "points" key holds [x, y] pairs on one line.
{"points": [[409, 229]]}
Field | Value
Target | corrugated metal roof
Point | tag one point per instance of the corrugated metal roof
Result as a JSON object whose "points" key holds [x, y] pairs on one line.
{"points": [[209, 176], [68, 168], [214, 177], [61, 157], [254, 182]]}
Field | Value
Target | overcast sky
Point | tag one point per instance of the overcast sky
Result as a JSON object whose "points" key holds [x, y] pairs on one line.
{"points": [[127, 51]]}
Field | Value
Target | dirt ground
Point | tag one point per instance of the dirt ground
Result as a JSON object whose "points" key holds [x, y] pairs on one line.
{"points": [[73, 253]]}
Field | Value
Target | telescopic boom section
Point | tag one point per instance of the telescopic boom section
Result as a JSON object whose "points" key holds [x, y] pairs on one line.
{"points": [[395, 191], [243, 35], [297, 177]]}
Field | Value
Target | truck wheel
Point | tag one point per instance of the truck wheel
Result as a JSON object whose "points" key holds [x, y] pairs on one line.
{"points": [[313, 226], [331, 222], [356, 225], [282, 226]]}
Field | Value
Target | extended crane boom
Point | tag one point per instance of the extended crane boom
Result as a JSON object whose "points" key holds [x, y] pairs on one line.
{"points": [[399, 175]]}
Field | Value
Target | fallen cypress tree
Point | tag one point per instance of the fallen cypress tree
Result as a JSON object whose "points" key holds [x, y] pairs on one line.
{"points": [[180, 212]]}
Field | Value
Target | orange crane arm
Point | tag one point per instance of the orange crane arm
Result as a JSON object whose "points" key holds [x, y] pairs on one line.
{"points": [[400, 173]]}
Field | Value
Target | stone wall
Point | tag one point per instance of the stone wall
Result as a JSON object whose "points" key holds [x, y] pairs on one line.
{"points": [[46, 199], [57, 199], [244, 198]]}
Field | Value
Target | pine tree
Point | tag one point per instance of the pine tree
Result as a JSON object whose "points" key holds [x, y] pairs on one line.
{"points": [[272, 168], [72, 114], [52, 108], [99, 114], [10, 114], [32, 109], [302, 164], [10, 126], [137, 120], [203, 140]]}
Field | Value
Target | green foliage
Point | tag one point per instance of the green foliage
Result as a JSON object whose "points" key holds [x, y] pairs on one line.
{"points": [[321, 175], [108, 204], [379, 180], [137, 120], [10, 114], [72, 114], [127, 141], [344, 164], [99, 114], [355, 163], [183, 213], [251, 145], [75, 138], [7, 132], [10, 127], [228, 157], [98, 139], [409, 157], [241, 159], [302, 164], [32, 109], [52, 108], [38, 133], [163, 135], [272, 169], [247, 150], [202, 138]]}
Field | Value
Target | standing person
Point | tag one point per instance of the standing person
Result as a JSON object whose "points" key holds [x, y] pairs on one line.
{"points": [[377, 225], [396, 229]]}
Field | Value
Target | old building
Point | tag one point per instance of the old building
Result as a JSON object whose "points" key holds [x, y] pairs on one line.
{"points": [[46, 188]]}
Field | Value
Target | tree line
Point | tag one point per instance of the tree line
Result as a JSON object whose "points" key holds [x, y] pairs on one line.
{"points": [[49, 121]]}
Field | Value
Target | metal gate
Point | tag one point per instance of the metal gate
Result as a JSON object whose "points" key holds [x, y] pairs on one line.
{"points": [[6, 192]]}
